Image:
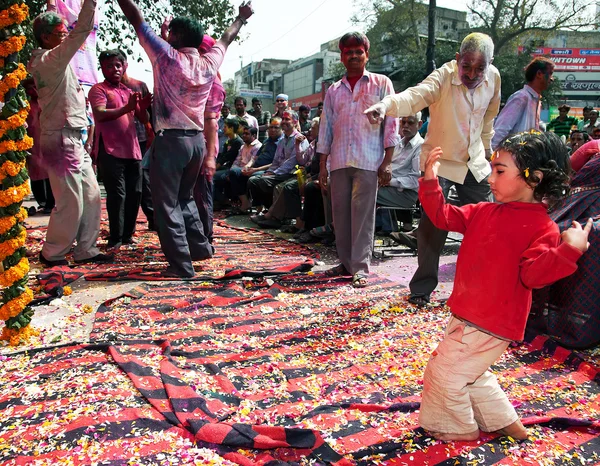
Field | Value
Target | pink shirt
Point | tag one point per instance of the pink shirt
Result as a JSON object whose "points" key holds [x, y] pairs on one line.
{"points": [[215, 99], [119, 136], [182, 81], [582, 155]]}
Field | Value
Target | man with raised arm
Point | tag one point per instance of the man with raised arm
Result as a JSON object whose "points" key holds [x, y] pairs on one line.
{"points": [[463, 97], [76, 216], [182, 82]]}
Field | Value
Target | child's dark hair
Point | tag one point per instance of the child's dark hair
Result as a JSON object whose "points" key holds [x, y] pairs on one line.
{"points": [[544, 152]]}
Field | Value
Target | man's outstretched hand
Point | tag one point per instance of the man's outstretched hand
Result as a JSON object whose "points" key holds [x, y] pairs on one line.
{"points": [[376, 113]]}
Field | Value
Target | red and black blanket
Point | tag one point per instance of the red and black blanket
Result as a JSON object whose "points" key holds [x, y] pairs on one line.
{"points": [[298, 369]]}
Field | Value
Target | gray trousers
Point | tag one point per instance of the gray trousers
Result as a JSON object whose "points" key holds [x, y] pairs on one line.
{"points": [[176, 158], [431, 240], [76, 215], [353, 193], [287, 202]]}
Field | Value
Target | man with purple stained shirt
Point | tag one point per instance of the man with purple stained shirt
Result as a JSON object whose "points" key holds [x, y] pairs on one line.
{"points": [[182, 82], [203, 190], [76, 215]]}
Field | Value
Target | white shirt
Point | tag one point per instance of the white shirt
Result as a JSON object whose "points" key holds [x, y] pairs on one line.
{"points": [[461, 122], [405, 164], [60, 95]]}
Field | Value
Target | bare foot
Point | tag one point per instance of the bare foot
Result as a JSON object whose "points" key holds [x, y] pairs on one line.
{"points": [[516, 430], [449, 437]]}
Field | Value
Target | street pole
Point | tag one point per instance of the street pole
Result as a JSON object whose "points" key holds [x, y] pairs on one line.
{"points": [[430, 57]]}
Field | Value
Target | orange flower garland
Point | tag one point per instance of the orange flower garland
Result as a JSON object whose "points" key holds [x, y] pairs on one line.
{"points": [[14, 121], [15, 194], [15, 273], [12, 45], [15, 306], [12, 80], [24, 144], [16, 337], [8, 248], [14, 14], [11, 169], [14, 266]]}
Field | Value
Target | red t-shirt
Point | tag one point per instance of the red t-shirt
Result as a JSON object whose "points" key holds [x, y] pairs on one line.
{"points": [[119, 136], [507, 250]]}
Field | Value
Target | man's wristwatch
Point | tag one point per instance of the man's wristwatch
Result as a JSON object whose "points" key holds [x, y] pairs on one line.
{"points": [[244, 21]]}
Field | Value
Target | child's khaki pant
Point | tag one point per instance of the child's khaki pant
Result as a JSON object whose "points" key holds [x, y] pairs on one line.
{"points": [[460, 394]]}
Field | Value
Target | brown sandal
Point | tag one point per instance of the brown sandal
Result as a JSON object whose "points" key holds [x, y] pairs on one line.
{"points": [[337, 271]]}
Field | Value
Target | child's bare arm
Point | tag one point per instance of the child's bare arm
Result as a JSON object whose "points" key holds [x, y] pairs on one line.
{"points": [[432, 163]]}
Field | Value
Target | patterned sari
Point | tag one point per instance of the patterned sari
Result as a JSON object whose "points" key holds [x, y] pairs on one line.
{"points": [[569, 310]]}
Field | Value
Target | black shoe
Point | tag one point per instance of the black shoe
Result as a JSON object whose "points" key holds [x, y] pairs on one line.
{"points": [[97, 259], [129, 241], [49, 263], [269, 223], [419, 300], [31, 211], [113, 244], [404, 239]]}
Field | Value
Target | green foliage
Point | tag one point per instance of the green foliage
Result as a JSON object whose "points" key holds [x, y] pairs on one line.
{"points": [[411, 67], [395, 29], [215, 16], [508, 20], [336, 70], [230, 92]]}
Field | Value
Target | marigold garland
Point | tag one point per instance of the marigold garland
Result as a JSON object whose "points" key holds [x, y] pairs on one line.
{"points": [[8, 248], [17, 336], [12, 45], [12, 80], [9, 168], [14, 14], [14, 307], [24, 144], [14, 121], [15, 273], [14, 266], [14, 194]]}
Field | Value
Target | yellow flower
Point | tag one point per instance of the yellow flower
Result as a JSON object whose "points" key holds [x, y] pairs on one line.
{"points": [[8, 248], [15, 194], [14, 14], [12, 80], [6, 223], [15, 306], [24, 144], [9, 168], [16, 337], [14, 121], [15, 273], [68, 291], [12, 45]]}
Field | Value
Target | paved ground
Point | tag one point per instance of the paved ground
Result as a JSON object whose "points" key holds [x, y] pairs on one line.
{"points": [[66, 320]]}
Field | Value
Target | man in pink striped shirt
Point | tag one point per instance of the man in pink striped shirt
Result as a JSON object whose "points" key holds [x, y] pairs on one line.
{"points": [[182, 82], [358, 154]]}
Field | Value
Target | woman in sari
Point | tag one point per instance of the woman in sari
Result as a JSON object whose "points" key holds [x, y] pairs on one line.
{"points": [[569, 310]]}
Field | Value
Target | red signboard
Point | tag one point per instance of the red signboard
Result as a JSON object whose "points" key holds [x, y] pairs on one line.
{"points": [[571, 59], [312, 100]]}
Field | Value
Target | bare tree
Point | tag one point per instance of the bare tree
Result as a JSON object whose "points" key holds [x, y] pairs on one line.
{"points": [[506, 20]]}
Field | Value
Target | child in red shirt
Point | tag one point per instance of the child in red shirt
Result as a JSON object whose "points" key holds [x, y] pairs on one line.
{"points": [[509, 248]]}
